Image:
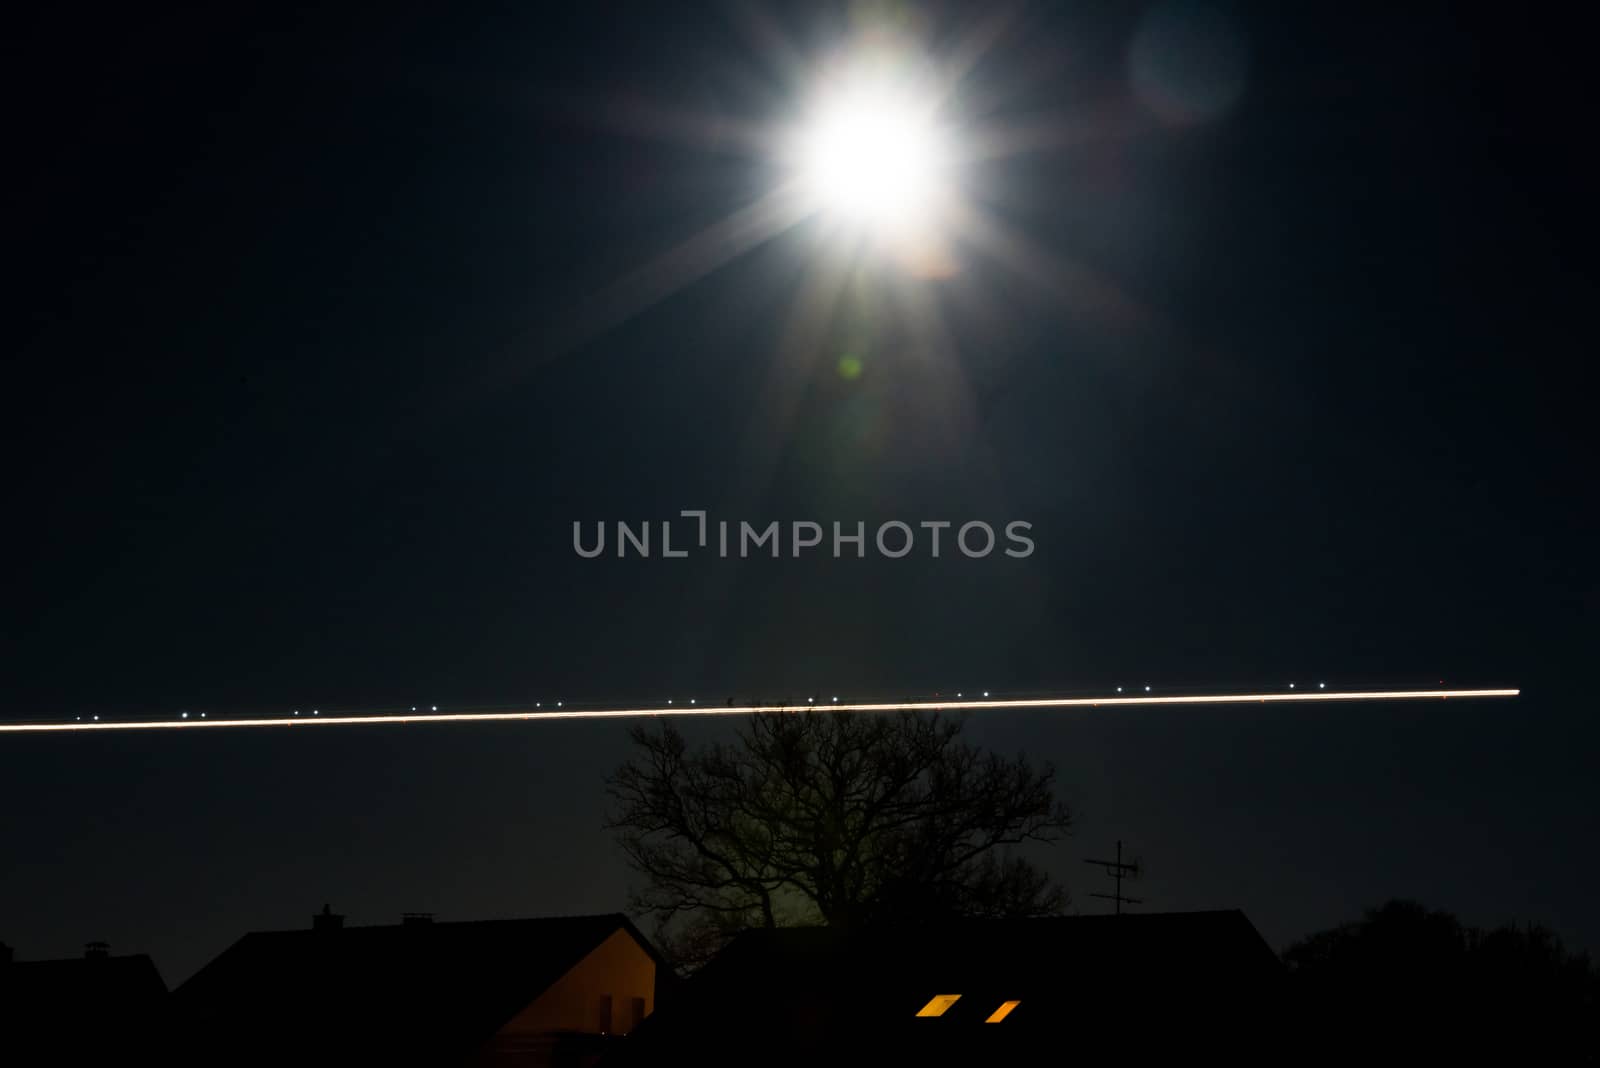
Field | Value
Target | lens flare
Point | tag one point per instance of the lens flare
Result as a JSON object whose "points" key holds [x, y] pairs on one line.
{"points": [[873, 155]]}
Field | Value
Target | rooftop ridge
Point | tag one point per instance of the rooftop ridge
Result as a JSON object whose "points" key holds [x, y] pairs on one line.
{"points": [[480, 921]]}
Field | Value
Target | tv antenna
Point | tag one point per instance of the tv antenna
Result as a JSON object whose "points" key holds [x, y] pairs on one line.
{"points": [[1119, 869]]}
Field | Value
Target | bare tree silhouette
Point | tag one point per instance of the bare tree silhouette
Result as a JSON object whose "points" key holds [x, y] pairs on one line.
{"points": [[824, 817]]}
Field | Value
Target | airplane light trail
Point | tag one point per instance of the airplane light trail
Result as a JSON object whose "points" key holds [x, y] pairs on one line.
{"points": [[957, 705]]}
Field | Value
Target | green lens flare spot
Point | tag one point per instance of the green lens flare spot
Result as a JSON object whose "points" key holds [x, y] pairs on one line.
{"points": [[849, 368]]}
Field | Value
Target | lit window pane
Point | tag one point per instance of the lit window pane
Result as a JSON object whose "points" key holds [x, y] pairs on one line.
{"points": [[938, 1005], [1002, 1012]]}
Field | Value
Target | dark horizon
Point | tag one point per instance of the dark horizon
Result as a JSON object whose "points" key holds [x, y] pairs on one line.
{"points": [[330, 326]]}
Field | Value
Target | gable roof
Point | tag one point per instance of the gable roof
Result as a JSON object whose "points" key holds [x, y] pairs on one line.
{"points": [[855, 997], [432, 985], [1067, 956], [1062, 954]]}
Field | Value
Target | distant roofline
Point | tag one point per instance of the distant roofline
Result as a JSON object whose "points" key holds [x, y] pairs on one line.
{"points": [[122, 965], [436, 922], [890, 931], [953, 921], [81, 957], [345, 933]]}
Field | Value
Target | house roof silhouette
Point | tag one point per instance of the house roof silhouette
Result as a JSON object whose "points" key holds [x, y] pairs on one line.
{"points": [[87, 1003], [82, 982], [969, 991], [419, 985]]}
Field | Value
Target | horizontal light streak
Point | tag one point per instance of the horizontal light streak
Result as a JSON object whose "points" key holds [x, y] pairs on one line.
{"points": [[745, 710]]}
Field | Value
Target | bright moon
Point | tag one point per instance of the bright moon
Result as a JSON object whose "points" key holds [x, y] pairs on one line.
{"points": [[875, 157]]}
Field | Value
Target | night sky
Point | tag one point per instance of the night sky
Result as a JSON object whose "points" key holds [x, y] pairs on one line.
{"points": [[325, 328]]}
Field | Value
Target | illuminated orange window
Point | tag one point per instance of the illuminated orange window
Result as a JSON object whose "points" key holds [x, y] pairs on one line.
{"points": [[1002, 1012], [938, 1005]]}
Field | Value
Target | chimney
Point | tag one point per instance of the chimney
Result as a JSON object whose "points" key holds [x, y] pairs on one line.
{"points": [[416, 919], [96, 950], [327, 920]]}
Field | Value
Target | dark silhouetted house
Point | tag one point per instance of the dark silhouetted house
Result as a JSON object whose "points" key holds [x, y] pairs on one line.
{"points": [[95, 1008], [495, 992], [1190, 987]]}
